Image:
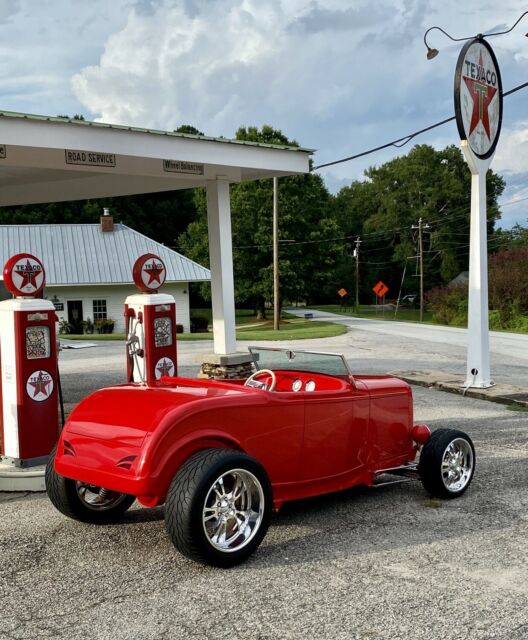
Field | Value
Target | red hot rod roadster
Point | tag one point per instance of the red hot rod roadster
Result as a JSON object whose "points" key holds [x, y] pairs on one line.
{"points": [[221, 455]]}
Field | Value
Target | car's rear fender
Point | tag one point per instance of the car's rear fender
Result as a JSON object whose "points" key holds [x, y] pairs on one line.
{"points": [[160, 460]]}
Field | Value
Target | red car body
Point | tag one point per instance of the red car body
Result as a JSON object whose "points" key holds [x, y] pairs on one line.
{"points": [[133, 438]]}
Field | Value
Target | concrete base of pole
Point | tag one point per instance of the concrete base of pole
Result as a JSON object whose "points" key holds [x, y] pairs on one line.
{"points": [[227, 367], [469, 384], [19, 479]]}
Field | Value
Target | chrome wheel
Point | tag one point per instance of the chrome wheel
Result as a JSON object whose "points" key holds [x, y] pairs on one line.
{"points": [[97, 498], [233, 510], [457, 465]]}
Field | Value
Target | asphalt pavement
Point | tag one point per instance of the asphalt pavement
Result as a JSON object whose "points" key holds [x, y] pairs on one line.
{"points": [[382, 564]]}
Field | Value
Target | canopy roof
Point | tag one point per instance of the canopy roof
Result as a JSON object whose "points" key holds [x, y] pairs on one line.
{"points": [[50, 159]]}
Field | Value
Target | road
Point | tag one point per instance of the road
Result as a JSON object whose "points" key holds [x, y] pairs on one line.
{"points": [[380, 345], [384, 564], [370, 346]]}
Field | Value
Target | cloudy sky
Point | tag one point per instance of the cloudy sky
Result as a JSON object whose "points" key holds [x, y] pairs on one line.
{"points": [[338, 76]]}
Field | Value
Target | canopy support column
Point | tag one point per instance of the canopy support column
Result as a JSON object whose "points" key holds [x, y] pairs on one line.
{"points": [[224, 362], [221, 262]]}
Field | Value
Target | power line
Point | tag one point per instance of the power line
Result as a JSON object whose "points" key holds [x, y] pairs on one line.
{"points": [[400, 142]]}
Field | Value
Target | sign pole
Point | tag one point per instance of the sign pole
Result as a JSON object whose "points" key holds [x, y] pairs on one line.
{"points": [[478, 360], [478, 111]]}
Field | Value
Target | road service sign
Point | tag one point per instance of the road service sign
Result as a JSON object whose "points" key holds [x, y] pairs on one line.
{"points": [[478, 97]]}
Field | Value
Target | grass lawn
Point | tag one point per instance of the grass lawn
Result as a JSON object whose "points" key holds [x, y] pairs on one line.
{"points": [[295, 329], [291, 328]]}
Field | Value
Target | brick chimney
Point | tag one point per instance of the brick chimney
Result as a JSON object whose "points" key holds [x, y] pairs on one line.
{"points": [[107, 221]]}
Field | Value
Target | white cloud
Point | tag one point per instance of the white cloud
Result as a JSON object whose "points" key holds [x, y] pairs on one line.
{"points": [[231, 63], [511, 155], [336, 75], [43, 43]]}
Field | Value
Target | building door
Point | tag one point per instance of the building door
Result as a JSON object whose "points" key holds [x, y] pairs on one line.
{"points": [[75, 315]]}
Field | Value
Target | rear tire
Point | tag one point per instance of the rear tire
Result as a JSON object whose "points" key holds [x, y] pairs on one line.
{"points": [[218, 507], [447, 463], [82, 501]]}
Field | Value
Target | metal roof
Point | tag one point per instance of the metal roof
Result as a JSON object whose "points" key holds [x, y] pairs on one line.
{"points": [[176, 134], [82, 254]]}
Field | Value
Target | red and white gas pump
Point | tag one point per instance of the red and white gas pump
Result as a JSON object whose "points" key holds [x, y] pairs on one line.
{"points": [[150, 324], [28, 365]]}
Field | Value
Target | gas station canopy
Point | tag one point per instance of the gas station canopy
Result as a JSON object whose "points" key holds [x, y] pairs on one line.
{"points": [[47, 159], [50, 159]]}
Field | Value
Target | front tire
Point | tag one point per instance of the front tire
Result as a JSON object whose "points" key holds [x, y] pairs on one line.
{"points": [[447, 463], [218, 507], [82, 501]]}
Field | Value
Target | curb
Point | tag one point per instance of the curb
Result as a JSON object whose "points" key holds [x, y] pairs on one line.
{"points": [[14, 479], [499, 393]]}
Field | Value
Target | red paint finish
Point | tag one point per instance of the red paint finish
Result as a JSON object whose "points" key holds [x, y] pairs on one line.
{"points": [[133, 439], [160, 356], [420, 433], [36, 387]]}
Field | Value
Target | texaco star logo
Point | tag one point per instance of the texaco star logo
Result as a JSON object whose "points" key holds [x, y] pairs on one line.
{"points": [[164, 367], [27, 275], [482, 94], [39, 385], [478, 97], [153, 273]]}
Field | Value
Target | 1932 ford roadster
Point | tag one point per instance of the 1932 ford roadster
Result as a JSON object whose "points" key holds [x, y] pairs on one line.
{"points": [[220, 455]]}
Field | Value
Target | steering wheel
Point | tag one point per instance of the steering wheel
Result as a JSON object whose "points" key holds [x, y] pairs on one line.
{"points": [[253, 382]]}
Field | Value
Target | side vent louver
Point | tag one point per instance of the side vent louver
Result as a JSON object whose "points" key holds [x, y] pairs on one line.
{"points": [[126, 463], [68, 449]]}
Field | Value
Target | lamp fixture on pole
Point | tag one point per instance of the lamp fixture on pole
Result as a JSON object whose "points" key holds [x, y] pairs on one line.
{"points": [[432, 52]]}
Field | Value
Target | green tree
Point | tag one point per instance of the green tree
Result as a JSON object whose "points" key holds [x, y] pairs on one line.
{"points": [[188, 128], [425, 183], [517, 236], [307, 228]]}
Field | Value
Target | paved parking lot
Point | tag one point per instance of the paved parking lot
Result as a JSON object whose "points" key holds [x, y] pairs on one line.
{"points": [[365, 564], [380, 564]]}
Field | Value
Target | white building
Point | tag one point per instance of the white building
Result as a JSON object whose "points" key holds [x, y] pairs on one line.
{"points": [[89, 270]]}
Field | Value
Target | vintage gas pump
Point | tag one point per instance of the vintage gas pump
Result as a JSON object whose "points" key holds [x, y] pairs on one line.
{"points": [[28, 365], [150, 324]]}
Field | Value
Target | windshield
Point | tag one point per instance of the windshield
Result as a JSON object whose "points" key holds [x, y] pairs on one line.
{"points": [[332, 364]]}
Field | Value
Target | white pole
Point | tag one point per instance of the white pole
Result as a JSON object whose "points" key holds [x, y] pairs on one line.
{"points": [[478, 357], [221, 261], [276, 314]]}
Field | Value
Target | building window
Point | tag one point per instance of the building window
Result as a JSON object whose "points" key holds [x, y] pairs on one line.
{"points": [[99, 310]]}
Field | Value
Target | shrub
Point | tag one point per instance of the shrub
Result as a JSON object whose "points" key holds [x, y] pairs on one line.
{"points": [[199, 324], [88, 326], [508, 284], [65, 327], [179, 328], [448, 304], [105, 325]]}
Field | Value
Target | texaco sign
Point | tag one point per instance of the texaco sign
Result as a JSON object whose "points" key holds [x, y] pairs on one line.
{"points": [[478, 97], [24, 275], [149, 272]]}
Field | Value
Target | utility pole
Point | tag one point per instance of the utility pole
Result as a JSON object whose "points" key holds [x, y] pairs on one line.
{"points": [[276, 309], [421, 227], [356, 256]]}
